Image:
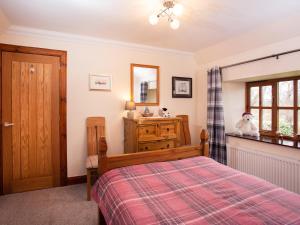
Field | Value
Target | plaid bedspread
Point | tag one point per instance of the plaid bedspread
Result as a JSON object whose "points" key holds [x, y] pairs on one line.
{"points": [[192, 191]]}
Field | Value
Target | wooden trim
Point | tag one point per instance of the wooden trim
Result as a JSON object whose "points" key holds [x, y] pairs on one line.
{"points": [[62, 103], [76, 180], [107, 163], [271, 81], [275, 108], [295, 108], [132, 65]]}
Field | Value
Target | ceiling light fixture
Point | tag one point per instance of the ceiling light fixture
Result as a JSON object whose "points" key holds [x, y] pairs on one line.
{"points": [[171, 9]]}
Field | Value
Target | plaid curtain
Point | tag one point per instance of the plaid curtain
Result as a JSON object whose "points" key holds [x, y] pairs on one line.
{"points": [[215, 116], [144, 90]]}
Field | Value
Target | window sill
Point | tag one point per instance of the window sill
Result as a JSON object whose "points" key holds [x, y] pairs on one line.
{"points": [[269, 140]]}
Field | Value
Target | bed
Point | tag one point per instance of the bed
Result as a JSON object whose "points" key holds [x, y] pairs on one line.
{"points": [[193, 190]]}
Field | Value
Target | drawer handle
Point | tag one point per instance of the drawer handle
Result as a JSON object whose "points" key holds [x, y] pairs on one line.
{"points": [[168, 129], [146, 148], [168, 145], [147, 131]]}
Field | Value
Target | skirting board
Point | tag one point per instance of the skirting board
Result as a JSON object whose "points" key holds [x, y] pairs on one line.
{"points": [[76, 180]]}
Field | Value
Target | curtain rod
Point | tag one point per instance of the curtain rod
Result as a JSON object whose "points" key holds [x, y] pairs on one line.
{"points": [[261, 58]]}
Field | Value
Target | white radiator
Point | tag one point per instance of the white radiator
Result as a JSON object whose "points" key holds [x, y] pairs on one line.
{"points": [[283, 172]]}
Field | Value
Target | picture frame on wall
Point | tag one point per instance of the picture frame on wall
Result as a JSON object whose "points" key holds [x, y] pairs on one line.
{"points": [[100, 82], [182, 87]]}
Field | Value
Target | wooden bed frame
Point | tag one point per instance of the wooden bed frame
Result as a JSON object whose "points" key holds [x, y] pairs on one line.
{"points": [[106, 163]]}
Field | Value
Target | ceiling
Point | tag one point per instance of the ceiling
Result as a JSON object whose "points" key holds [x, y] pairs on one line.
{"points": [[204, 22]]}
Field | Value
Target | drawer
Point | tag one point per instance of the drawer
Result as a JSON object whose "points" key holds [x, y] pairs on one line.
{"points": [[168, 130], [147, 131], [156, 145]]}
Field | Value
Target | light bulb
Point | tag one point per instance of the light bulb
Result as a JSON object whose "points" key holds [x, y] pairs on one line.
{"points": [[153, 19], [175, 24], [177, 9]]}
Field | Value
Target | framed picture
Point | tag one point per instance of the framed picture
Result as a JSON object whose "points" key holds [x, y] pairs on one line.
{"points": [[100, 82], [182, 87]]}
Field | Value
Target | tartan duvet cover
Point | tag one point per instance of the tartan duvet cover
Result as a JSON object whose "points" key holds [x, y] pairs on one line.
{"points": [[191, 191]]}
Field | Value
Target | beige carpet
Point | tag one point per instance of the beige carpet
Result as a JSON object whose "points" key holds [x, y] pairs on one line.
{"points": [[55, 206]]}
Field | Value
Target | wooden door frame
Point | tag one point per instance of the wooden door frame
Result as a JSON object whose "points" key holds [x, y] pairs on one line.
{"points": [[62, 103]]}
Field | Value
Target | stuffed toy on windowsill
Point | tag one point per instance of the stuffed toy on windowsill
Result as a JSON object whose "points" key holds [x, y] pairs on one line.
{"points": [[246, 126]]}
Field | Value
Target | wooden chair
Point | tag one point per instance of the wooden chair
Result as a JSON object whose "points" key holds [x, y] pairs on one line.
{"points": [[185, 136], [95, 130]]}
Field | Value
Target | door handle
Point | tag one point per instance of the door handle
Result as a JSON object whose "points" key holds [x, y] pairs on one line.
{"points": [[7, 124]]}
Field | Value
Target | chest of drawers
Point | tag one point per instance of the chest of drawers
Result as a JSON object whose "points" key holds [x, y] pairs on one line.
{"points": [[147, 134]]}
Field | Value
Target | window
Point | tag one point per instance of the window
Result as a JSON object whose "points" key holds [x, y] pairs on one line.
{"points": [[275, 105]]}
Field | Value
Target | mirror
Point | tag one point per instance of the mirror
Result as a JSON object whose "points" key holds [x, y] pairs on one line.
{"points": [[145, 84]]}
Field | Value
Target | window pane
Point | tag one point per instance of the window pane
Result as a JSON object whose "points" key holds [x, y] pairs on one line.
{"points": [[267, 96], [255, 113], [254, 96], [286, 93], [286, 122], [298, 94], [267, 119]]}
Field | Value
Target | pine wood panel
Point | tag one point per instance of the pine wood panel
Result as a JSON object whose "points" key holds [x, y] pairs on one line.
{"points": [[106, 163], [26, 184], [184, 130], [4, 102], [95, 129], [41, 156], [147, 131], [168, 130], [35, 135], [32, 123], [16, 144], [47, 120], [24, 113], [56, 161], [6, 116], [150, 146]]}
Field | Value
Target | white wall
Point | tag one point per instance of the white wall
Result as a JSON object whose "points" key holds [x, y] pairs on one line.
{"points": [[100, 57], [4, 23], [234, 78]]}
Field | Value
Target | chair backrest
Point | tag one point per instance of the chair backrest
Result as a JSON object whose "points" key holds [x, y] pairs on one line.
{"points": [[185, 136], [95, 130]]}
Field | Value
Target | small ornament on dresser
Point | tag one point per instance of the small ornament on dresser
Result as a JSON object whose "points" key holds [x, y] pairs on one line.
{"points": [[147, 112], [163, 112]]}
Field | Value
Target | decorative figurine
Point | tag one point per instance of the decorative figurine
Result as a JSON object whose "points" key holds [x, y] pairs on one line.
{"points": [[246, 127], [147, 112], [163, 112]]}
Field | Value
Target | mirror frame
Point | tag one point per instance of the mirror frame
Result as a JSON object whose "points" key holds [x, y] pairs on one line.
{"points": [[132, 65]]}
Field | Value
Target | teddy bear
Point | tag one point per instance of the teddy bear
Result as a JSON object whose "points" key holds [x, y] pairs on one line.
{"points": [[245, 126]]}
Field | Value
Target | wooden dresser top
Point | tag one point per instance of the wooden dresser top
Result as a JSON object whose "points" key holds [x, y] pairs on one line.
{"points": [[147, 119]]}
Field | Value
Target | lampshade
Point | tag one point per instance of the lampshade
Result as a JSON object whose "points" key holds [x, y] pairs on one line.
{"points": [[175, 24], [130, 105], [153, 19], [177, 9]]}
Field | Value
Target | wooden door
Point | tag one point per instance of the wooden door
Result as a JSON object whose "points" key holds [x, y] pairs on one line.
{"points": [[30, 118]]}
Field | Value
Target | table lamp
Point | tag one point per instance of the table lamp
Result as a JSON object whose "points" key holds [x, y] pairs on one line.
{"points": [[130, 105]]}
